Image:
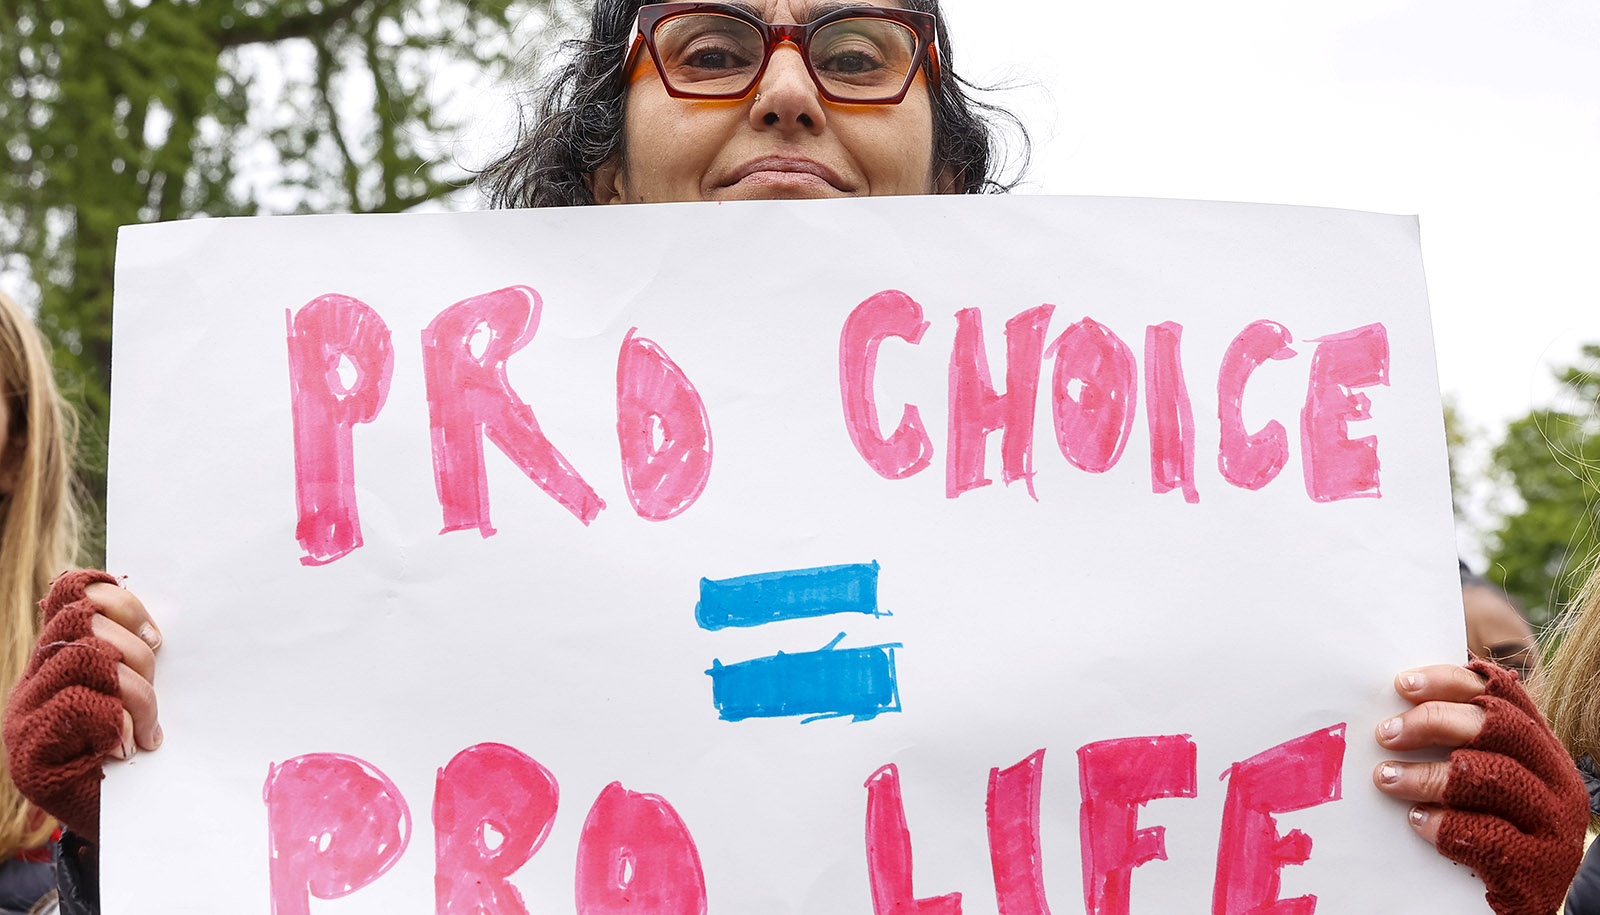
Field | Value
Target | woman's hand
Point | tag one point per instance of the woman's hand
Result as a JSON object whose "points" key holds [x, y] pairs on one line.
{"points": [[85, 697], [1508, 803]]}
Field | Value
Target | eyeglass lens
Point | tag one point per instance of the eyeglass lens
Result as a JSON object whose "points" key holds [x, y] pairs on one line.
{"points": [[713, 54]]}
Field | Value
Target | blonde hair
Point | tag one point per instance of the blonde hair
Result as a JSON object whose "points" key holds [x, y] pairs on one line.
{"points": [[38, 529], [1568, 684]]}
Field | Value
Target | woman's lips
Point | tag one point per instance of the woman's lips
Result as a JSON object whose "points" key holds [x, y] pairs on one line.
{"points": [[784, 171]]}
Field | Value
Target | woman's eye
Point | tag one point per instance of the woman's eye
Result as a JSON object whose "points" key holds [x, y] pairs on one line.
{"points": [[855, 58], [709, 60], [714, 57], [850, 63]]}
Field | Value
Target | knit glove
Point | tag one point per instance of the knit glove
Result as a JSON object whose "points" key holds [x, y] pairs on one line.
{"points": [[1515, 807], [65, 716]]}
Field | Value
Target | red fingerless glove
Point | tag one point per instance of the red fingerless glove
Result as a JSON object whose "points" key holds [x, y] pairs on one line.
{"points": [[1515, 807], [65, 716]]}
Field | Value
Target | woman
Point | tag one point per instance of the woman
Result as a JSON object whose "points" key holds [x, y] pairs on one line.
{"points": [[1568, 686], [38, 538], [816, 98], [609, 129]]}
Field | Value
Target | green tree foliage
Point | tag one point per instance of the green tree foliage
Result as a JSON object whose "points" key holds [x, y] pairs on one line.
{"points": [[1457, 436], [124, 111], [1551, 460]]}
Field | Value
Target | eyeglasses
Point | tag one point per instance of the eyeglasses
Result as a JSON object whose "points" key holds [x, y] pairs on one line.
{"points": [[865, 55]]}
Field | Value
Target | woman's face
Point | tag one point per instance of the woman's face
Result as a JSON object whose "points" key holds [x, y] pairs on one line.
{"points": [[781, 141]]}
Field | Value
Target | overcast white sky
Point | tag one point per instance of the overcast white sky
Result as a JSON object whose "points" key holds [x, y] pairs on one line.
{"points": [[1481, 116]]}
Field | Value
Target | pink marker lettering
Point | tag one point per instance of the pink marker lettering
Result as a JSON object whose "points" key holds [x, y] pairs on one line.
{"points": [[1301, 773], [889, 853], [492, 809], [1116, 778], [636, 857], [976, 410], [662, 429], [1170, 416], [334, 825], [908, 450], [330, 334], [1250, 461], [1336, 466], [1014, 837], [469, 397], [1093, 424]]}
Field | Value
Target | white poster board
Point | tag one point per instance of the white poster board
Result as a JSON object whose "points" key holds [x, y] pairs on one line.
{"points": [[724, 583]]}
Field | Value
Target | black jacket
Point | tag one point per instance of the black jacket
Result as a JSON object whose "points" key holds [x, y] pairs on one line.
{"points": [[77, 864], [1584, 896]]}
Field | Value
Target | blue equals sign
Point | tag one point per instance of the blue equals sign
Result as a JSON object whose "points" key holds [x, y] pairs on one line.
{"points": [[829, 683]]}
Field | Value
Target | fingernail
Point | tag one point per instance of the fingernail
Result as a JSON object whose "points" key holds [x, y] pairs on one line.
{"points": [[120, 751], [156, 737], [1411, 681], [1390, 729], [150, 635], [1388, 773], [1419, 817]]}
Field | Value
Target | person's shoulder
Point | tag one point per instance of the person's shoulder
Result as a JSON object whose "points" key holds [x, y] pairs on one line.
{"points": [[1583, 897]]}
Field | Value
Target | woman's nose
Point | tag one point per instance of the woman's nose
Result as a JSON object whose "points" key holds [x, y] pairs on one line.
{"points": [[786, 99]]}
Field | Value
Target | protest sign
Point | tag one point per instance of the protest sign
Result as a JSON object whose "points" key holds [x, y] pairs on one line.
{"points": [[812, 557]]}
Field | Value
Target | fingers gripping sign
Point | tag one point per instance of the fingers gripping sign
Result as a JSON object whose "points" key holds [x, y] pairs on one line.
{"points": [[1508, 803], [123, 623], [85, 696]]}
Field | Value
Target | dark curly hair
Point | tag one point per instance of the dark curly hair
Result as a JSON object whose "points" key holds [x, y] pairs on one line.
{"points": [[577, 117]]}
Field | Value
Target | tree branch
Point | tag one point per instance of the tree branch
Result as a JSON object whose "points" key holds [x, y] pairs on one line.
{"points": [[436, 188], [259, 29], [324, 90], [387, 153]]}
